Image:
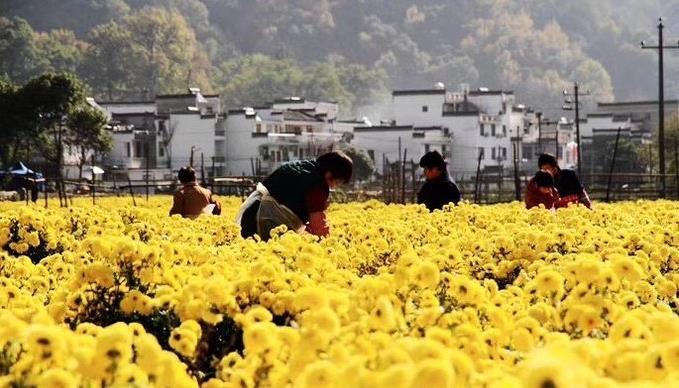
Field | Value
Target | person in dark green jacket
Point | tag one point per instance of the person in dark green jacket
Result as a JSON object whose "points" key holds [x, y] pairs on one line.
{"points": [[296, 194], [439, 189]]}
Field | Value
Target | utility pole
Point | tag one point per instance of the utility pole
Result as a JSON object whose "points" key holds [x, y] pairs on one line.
{"points": [[610, 173], [539, 115], [661, 101], [575, 105], [542, 121], [148, 161]]}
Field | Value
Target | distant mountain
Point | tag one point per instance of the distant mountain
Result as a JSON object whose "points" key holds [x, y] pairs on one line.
{"points": [[536, 47]]}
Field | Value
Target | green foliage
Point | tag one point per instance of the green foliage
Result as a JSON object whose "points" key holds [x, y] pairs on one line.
{"points": [[60, 50], [86, 132], [105, 63], [18, 54], [48, 100], [364, 167], [254, 79], [344, 50]]}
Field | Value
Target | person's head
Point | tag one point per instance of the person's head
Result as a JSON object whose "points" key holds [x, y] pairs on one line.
{"points": [[544, 181], [186, 175], [336, 167], [548, 162], [433, 164]]}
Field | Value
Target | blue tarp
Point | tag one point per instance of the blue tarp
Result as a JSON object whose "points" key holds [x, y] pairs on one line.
{"points": [[20, 169]]}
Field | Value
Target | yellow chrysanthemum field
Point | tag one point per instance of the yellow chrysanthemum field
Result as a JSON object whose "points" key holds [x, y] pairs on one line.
{"points": [[117, 296]]}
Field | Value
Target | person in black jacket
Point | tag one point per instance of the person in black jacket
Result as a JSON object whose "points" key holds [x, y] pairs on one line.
{"points": [[566, 181], [439, 189]]}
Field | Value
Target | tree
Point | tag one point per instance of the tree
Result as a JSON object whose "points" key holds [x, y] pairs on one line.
{"points": [[106, 62], [168, 51], [53, 97], [253, 79], [86, 132], [8, 126], [18, 54], [672, 144], [60, 50], [364, 167]]}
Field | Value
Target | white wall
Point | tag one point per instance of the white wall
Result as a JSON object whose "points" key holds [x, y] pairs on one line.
{"points": [[385, 143], [491, 103], [192, 131], [241, 146], [123, 108], [407, 109]]}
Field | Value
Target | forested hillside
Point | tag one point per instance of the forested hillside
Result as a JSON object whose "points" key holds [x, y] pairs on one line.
{"points": [[352, 51]]}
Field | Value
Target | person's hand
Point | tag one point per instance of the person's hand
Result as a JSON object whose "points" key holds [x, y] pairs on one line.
{"points": [[217, 210]]}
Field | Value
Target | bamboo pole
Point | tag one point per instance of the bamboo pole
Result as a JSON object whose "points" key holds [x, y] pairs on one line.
{"points": [[610, 173]]}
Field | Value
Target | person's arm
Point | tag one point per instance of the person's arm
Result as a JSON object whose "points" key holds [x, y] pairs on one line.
{"points": [[454, 194], [318, 224], [584, 199], [423, 194], [177, 204], [582, 196], [217, 210], [316, 201]]}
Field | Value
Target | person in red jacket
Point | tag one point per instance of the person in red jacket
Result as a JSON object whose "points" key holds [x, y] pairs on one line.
{"points": [[541, 191]]}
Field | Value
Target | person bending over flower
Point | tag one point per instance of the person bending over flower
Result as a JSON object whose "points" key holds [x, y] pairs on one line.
{"points": [[295, 195], [566, 181]]}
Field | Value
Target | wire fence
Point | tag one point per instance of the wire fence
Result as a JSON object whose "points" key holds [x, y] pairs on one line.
{"points": [[399, 183]]}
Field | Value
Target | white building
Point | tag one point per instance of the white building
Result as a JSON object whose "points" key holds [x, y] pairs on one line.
{"points": [[161, 136], [464, 126], [260, 139]]}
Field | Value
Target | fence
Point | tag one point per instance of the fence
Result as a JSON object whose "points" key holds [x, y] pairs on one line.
{"points": [[399, 183]]}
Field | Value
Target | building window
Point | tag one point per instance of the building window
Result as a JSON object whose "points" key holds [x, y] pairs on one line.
{"points": [[137, 149], [504, 153], [425, 108], [161, 150], [258, 128], [301, 153], [504, 130], [309, 128], [494, 154], [426, 148], [444, 150], [492, 130], [128, 149], [482, 130], [482, 153]]}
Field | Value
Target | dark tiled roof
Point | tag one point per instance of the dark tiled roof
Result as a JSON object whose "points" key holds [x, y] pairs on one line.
{"points": [[290, 100], [631, 103], [296, 115], [134, 114], [463, 113], [418, 92], [489, 92], [434, 128], [185, 95], [384, 128], [125, 102]]}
